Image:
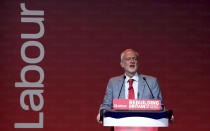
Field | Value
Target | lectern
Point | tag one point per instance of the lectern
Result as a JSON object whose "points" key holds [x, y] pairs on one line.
{"points": [[127, 119]]}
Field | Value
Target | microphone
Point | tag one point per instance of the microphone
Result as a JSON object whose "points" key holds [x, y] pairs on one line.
{"points": [[144, 78], [121, 86]]}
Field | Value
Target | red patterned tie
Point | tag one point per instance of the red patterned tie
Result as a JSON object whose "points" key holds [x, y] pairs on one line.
{"points": [[131, 90]]}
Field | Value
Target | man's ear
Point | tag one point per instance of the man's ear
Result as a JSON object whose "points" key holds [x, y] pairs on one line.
{"points": [[121, 64]]}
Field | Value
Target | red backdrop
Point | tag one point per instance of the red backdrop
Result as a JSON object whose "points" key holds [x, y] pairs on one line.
{"points": [[83, 41]]}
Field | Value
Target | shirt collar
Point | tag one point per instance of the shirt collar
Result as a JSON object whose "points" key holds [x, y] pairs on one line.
{"points": [[135, 77]]}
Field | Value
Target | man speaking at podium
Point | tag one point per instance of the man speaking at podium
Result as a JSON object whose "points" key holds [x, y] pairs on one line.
{"points": [[130, 85]]}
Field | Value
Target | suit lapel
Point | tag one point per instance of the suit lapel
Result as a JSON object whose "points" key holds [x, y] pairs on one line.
{"points": [[122, 94], [141, 86]]}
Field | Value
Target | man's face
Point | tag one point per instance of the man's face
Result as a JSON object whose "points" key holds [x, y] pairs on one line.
{"points": [[130, 62]]}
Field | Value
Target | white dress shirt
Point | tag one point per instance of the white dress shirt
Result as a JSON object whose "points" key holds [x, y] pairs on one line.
{"points": [[135, 85]]}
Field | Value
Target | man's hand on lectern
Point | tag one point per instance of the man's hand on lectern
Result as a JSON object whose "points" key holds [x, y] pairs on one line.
{"points": [[172, 119], [98, 118]]}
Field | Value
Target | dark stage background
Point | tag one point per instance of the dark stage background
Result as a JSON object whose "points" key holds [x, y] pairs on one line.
{"points": [[83, 41]]}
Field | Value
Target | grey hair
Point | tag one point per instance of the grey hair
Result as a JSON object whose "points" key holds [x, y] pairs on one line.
{"points": [[127, 50]]}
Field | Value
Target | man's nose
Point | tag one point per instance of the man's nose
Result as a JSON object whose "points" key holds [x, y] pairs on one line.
{"points": [[132, 61]]}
